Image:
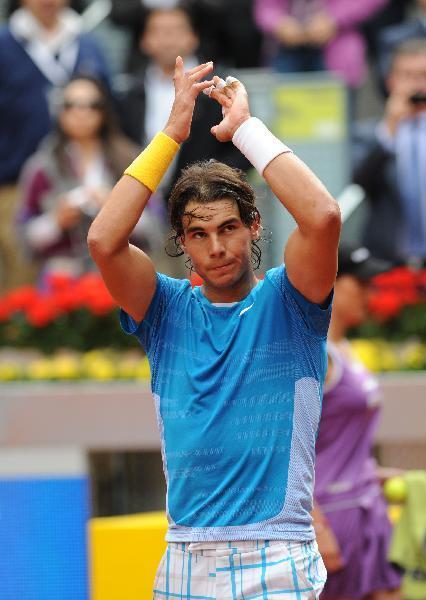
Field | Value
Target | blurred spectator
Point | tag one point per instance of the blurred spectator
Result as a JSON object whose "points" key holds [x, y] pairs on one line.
{"points": [[42, 46], [393, 13], [145, 104], [77, 5], [314, 35], [394, 36], [391, 167], [66, 182], [227, 32], [348, 497]]}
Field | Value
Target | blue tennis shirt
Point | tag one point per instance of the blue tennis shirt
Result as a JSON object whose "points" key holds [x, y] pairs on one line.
{"points": [[238, 392]]}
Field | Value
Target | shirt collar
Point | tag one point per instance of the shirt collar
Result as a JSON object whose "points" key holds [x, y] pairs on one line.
{"points": [[24, 26]]}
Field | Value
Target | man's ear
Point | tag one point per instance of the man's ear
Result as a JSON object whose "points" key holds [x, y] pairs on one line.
{"points": [[255, 228], [182, 243]]}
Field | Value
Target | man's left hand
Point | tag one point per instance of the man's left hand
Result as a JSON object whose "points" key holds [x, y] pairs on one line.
{"points": [[233, 99]]}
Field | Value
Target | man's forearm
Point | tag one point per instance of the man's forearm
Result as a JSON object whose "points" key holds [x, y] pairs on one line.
{"points": [[111, 229], [301, 192], [113, 226], [294, 184]]}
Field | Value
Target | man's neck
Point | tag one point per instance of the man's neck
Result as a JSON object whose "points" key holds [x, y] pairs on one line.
{"points": [[232, 294]]}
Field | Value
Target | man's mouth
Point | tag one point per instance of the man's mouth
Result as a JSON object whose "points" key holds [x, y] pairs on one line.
{"points": [[223, 267]]}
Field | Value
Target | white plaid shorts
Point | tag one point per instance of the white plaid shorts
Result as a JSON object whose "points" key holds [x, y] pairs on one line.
{"points": [[240, 571]]}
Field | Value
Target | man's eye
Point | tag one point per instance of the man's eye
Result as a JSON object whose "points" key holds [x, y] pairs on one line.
{"points": [[229, 228], [198, 235]]}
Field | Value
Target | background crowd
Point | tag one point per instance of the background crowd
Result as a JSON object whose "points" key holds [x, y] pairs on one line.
{"points": [[72, 117]]}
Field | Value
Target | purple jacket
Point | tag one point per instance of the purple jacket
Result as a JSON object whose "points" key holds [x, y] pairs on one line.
{"points": [[345, 53]]}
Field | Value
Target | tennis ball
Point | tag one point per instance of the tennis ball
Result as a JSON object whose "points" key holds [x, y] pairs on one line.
{"points": [[395, 490]]}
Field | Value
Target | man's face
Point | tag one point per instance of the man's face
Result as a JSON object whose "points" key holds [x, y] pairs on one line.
{"points": [[45, 11], [408, 75], [168, 34], [218, 243]]}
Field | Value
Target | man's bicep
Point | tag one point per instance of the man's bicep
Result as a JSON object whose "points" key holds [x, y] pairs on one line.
{"points": [[311, 264], [131, 280]]}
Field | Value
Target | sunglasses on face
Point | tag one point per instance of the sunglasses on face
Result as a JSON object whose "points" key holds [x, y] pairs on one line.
{"points": [[82, 104]]}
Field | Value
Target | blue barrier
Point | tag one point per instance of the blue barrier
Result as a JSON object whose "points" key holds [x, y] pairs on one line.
{"points": [[43, 544]]}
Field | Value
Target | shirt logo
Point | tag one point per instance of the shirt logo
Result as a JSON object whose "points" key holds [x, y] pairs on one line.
{"points": [[246, 309]]}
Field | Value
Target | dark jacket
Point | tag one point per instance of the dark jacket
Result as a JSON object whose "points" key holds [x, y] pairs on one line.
{"points": [[24, 110], [376, 173]]}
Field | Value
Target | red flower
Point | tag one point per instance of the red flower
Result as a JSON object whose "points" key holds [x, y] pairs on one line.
{"points": [[95, 295], [21, 298], [6, 309], [43, 311], [58, 282]]}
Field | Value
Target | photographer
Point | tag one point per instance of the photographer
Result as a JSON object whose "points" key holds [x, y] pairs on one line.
{"points": [[392, 169]]}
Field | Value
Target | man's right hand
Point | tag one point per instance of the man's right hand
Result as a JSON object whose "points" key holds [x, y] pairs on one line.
{"points": [[187, 88]]}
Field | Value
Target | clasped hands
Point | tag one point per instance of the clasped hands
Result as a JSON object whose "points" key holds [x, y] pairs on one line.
{"points": [[232, 97], [319, 30]]}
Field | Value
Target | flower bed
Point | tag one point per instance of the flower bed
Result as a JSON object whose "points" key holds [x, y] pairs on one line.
{"points": [[70, 330], [398, 306]]}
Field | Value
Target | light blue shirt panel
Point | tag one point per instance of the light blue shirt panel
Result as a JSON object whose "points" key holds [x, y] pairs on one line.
{"points": [[226, 378]]}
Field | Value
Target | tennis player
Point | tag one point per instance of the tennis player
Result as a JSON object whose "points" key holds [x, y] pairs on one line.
{"points": [[237, 364]]}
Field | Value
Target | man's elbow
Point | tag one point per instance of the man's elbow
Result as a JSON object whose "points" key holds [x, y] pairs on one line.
{"points": [[329, 221], [98, 244]]}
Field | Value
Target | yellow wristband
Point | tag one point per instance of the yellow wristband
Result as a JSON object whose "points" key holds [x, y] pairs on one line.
{"points": [[150, 166]]}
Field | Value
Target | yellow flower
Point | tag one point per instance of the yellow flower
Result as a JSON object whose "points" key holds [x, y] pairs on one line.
{"points": [[9, 371], [40, 369], [143, 370], [66, 367], [100, 368]]}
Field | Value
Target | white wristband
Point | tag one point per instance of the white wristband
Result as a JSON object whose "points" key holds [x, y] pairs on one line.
{"points": [[258, 144]]}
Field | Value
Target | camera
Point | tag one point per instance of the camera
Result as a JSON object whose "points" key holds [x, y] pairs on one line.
{"points": [[418, 98]]}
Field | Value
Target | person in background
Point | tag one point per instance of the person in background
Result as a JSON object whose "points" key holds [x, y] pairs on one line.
{"points": [[65, 183], [146, 103], [42, 46], [390, 162], [393, 36], [393, 13], [315, 35], [219, 38], [348, 496]]}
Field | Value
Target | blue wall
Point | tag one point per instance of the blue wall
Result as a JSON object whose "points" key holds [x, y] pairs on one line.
{"points": [[43, 545]]}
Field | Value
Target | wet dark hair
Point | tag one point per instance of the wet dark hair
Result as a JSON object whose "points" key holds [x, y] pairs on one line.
{"points": [[205, 182]]}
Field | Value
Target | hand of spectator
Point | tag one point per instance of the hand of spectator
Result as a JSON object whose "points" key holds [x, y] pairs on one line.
{"points": [[67, 215], [235, 107], [187, 88], [290, 32], [398, 107], [98, 196], [320, 29]]}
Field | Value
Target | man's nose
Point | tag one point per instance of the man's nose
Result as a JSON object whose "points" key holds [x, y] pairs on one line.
{"points": [[216, 246]]}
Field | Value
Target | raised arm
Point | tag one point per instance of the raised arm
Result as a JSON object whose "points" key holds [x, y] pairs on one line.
{"points": [[311, 251], [127, 271]]}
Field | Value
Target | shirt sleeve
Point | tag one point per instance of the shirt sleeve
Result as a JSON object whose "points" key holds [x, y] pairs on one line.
{"points": [[314, 318], [147, 330]]}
